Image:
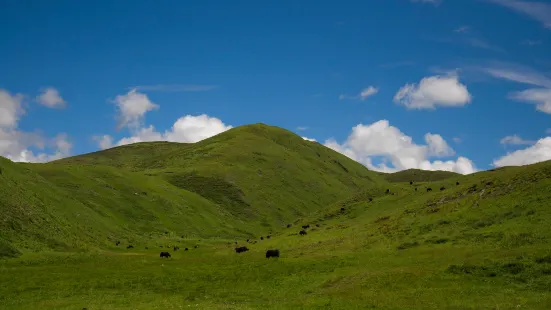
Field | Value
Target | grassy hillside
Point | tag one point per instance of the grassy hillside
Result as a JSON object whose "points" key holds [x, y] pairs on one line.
{"points": [[244, 182], [481, 244], [256, 172], [417, 175]]}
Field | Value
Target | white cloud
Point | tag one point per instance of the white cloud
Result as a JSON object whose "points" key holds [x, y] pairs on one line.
{"points": [[541, 151], [462, 29], [302, 128], [438, 146], [175, 87], [445, 91], [104, 142], [380, 139], [540, 97], [132, 108], [515, 140], [17, 145], [457, 139], [50, 98], [519, 74], [364, 94], [309, 139], [191, 129], [10, 109], [536, 10]]}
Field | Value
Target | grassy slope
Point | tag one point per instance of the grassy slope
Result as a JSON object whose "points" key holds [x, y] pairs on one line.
{"points": [[482, 244], [244, 182], [258, 173]]}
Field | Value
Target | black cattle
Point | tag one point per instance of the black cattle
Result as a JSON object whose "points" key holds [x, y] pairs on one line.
{"points": [[241, 249], [416, 189], [196, 246], [429, 189], [289, 225], [317, 225], [387, 191], [235, 242], [442, 188], [248, 240], [456, 183], [130, 247], [146, 248], [302, 232], [165, 254], [185, 249], [261, 238], [306, 226], [410, 182], [268, 237], [272, 253], [342, 209], [118, 242], [370, 199]]}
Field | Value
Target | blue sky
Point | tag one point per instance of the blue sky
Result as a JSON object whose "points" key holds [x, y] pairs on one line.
{"points": [[457, 85]]}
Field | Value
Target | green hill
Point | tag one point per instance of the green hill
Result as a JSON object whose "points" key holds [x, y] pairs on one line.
{"points": [[417, 175], [480, 241], [244, 182]]}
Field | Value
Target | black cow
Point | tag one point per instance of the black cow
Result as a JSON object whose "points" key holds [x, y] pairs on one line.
{"points": [[146, 248], [306, 226], [272, 253], [429, 189], [302, 232], [370, 199], [342, 209], [130, 247], [442, 188], [185, 249], [410, 182], [261, 238], [165, 254], [241, 249], [268, 237], [196, 246], [456, 183], [387, 191], [235, 242], [317, 225], [118, 242], [248, 240], [289, 225], [416, 189]]}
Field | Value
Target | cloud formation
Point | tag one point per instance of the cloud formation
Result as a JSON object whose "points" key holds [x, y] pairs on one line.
{"points": [[364, 94], [18, 145], [50, 98], [132, 110], [536, 10], [541, 97], [380, 139], [430, 92], [540, 151], [515, 140], [309, 139]]}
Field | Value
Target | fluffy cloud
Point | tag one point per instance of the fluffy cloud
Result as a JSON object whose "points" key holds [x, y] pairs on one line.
{"points": [[187, 129], [364, 94], [433, 91], [515, 140], [541, 97], [50, 98], [17, 145], [132, 108], [309, 139], [10, 109], [380, 139], [540, 151]]}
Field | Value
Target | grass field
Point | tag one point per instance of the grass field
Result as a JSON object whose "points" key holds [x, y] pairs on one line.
{"points": [[480, 241]]}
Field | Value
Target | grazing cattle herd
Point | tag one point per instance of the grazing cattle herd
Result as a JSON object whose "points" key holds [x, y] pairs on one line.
{"points": [[269, 253]]}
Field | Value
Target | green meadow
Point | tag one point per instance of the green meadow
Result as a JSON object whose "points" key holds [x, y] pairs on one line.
{"points": [[375, 241]]}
